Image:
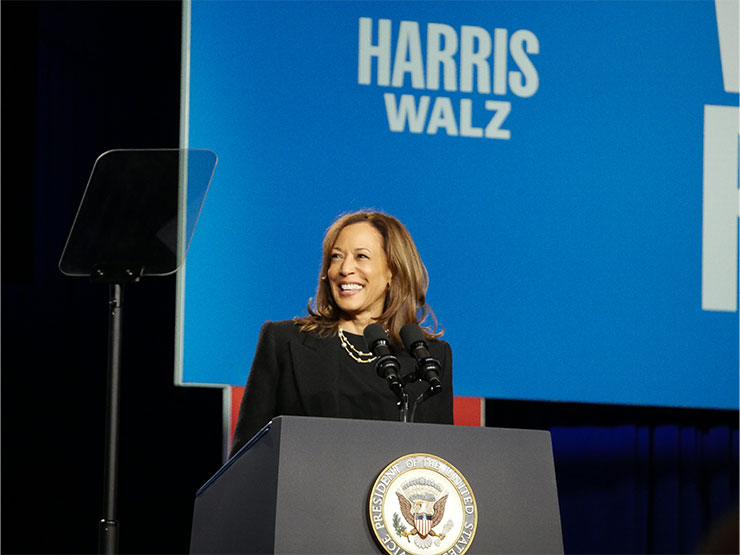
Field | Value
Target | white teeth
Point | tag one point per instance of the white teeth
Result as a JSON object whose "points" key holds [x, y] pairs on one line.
{"points": [[348, 286]]}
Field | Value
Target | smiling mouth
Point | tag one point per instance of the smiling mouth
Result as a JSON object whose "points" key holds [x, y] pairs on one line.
{"points": [[350, 288]]}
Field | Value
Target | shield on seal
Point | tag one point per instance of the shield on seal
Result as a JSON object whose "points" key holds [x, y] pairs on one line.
{"points": [[423, 524]]}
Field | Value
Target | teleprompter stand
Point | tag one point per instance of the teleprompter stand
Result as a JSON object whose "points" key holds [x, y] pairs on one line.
{"points": [[136, 219]]}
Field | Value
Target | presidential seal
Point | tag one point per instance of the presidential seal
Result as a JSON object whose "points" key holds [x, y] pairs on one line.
{"points": [[422, 505]]}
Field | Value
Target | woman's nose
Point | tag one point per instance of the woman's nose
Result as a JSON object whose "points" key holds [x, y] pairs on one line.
{"points": [[347, 267]]}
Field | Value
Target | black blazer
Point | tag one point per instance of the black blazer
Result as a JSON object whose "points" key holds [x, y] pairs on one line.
{"points": [[297, 373]]}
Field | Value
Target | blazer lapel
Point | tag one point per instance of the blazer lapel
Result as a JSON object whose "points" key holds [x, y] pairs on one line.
{"points": [[316, 373]]}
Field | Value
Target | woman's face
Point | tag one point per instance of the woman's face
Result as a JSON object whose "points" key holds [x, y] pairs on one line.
{"points": [[358, 272]]}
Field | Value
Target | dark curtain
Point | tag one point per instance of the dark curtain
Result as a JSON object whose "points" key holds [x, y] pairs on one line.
{"points": [[79, 78], [636, 479]]}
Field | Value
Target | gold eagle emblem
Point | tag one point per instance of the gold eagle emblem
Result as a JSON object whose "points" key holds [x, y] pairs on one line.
{"points": [[422, 515]]}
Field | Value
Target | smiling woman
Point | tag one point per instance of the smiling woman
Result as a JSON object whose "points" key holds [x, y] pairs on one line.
{"points": [[319, 365], [381, 249], [359, 276]]}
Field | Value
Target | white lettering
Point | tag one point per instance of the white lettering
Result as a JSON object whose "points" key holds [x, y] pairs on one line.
{"points": [[432, 463], [470, 56], [442, 116], [728, 31], [367, 50], [478, 58], [466, 119], [500, 111], [437, 55], [408, 56], [720, 209], [406, 111], [525, 83], [391, 545], [500, 58]]}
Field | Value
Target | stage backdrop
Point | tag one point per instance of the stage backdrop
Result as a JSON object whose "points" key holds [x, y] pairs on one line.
{"points": [[567, 169]]}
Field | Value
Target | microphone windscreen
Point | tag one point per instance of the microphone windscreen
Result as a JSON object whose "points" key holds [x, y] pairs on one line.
{"points": [[411, 333], [373, 333]]}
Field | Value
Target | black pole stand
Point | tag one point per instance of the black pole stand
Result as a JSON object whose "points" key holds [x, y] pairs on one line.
{"points": [[113, 240], [403, 402], [403, 406], [108, 525], [108, 532]]}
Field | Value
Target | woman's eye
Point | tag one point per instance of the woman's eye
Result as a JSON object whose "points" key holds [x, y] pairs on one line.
{"points": [[361, 255], [335, 256]]}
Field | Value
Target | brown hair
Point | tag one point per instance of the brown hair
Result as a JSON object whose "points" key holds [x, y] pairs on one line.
{"points": [[406, 298]]}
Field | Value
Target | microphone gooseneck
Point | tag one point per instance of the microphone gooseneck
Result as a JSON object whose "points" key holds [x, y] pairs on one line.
{"points": [[428, 368], [387, 365]]}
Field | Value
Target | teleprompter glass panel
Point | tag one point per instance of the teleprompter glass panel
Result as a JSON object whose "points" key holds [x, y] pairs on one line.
{"points": [[138, 213]]}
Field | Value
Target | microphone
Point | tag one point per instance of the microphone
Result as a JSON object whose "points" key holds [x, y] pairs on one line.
{"points": [[427, 366], [387, 365]]}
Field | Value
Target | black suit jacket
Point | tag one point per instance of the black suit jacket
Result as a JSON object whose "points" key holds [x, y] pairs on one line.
{"points": [[298, 373]]}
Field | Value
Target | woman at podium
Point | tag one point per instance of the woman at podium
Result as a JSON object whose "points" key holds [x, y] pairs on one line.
{"points": [[320, 365]]}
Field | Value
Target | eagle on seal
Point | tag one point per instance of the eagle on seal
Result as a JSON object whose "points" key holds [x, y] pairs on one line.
{"points": [[422, 516]]}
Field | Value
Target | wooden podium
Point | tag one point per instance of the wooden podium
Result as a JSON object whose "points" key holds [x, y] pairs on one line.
{"points": [[302, 485]]}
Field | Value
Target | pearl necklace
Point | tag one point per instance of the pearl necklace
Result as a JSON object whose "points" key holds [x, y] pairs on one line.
{"points": [[353, 351]]}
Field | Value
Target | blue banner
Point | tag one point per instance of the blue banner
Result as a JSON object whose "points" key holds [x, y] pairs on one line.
{"points": [[547, 157]]}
